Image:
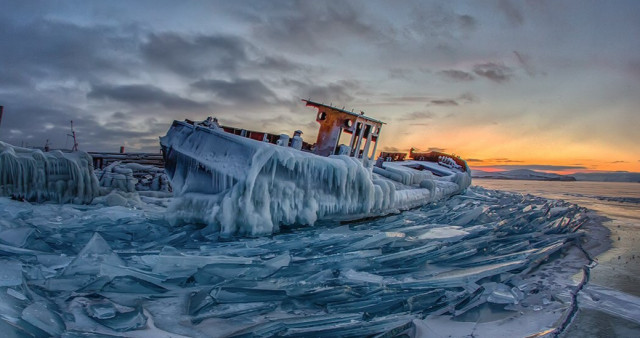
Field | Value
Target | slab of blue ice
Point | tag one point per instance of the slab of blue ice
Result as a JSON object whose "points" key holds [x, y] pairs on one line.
{"points": [[102, 310], [125, 321], [96, 252], [42, 316], [10, 273], [246, 295], [16, 236]]}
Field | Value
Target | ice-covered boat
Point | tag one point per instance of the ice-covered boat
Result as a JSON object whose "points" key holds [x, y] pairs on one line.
{"points": [[36, 176], [251, 182]]}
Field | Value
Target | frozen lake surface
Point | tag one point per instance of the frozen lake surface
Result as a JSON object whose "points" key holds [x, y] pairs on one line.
{"points": [[488, 262], [617, 269]]}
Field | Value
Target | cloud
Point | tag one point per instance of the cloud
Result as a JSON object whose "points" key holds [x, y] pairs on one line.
{"points": [[493, 71], [533, 167], [118, 116], [276, 63], [314, 26], [444, 102], [200, 55], [503, 160], [38, 120], [52, 50], [142, 95], [474, 160], [468, 97], [467, 22], [526, 64], [418, 115], [457, 75], [249, 91], [339, 92], [429, 22], [511, 12], [400, 73], [195, 55], [440, 150], [395, 100], [464, 98]]}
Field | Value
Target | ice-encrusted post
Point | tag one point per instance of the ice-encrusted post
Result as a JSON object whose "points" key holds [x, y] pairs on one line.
{"points": [[284, 140], [296, 140], [365, 152], [356, 150]]}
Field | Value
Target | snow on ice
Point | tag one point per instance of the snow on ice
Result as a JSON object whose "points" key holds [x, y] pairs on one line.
{"points": [[491, 261]]}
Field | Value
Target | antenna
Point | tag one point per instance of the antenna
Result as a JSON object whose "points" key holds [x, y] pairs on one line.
{"points": [[75, 141]]}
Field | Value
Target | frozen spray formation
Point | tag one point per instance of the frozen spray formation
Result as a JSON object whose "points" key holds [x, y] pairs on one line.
{"points": [[132, 177], [249, 187], [34, 175]]}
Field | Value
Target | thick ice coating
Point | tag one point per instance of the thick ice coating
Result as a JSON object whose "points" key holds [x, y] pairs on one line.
{"points": [[34, 175], [250, 187]]}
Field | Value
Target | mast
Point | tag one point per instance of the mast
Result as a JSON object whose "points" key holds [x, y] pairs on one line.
{"points": [[75, 141]]}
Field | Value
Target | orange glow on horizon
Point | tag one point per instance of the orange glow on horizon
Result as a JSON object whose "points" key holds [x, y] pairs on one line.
{"points": [[490, 148]]}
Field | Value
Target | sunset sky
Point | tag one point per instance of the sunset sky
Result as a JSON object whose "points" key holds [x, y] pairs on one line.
{"points": [[546, 85]]}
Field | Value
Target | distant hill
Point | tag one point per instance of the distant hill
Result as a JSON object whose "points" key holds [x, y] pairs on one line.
{"points": [[614, 176], [526, 174], [521, 174]]}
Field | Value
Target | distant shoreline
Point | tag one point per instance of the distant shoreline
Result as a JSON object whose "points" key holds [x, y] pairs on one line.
{"points": [[525, 179], [532, 175]]}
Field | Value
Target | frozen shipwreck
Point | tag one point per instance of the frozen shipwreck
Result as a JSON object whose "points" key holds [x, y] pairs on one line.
{"points": [[37, 176], [251, 182]]}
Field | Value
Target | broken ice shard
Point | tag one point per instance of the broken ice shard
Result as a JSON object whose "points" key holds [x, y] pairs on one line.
{"points": [[246, 295], [102, 310], [41, 316], [16, 237], [10, 273], [125, 321], [96, 252]]}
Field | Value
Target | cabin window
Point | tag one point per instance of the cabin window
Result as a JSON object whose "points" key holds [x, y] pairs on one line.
{"points": [[348, 123], [322, 116], [367, 131]]}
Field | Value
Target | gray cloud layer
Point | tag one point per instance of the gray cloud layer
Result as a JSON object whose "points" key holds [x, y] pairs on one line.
{"points": [[123, 70], [137, 95]]}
